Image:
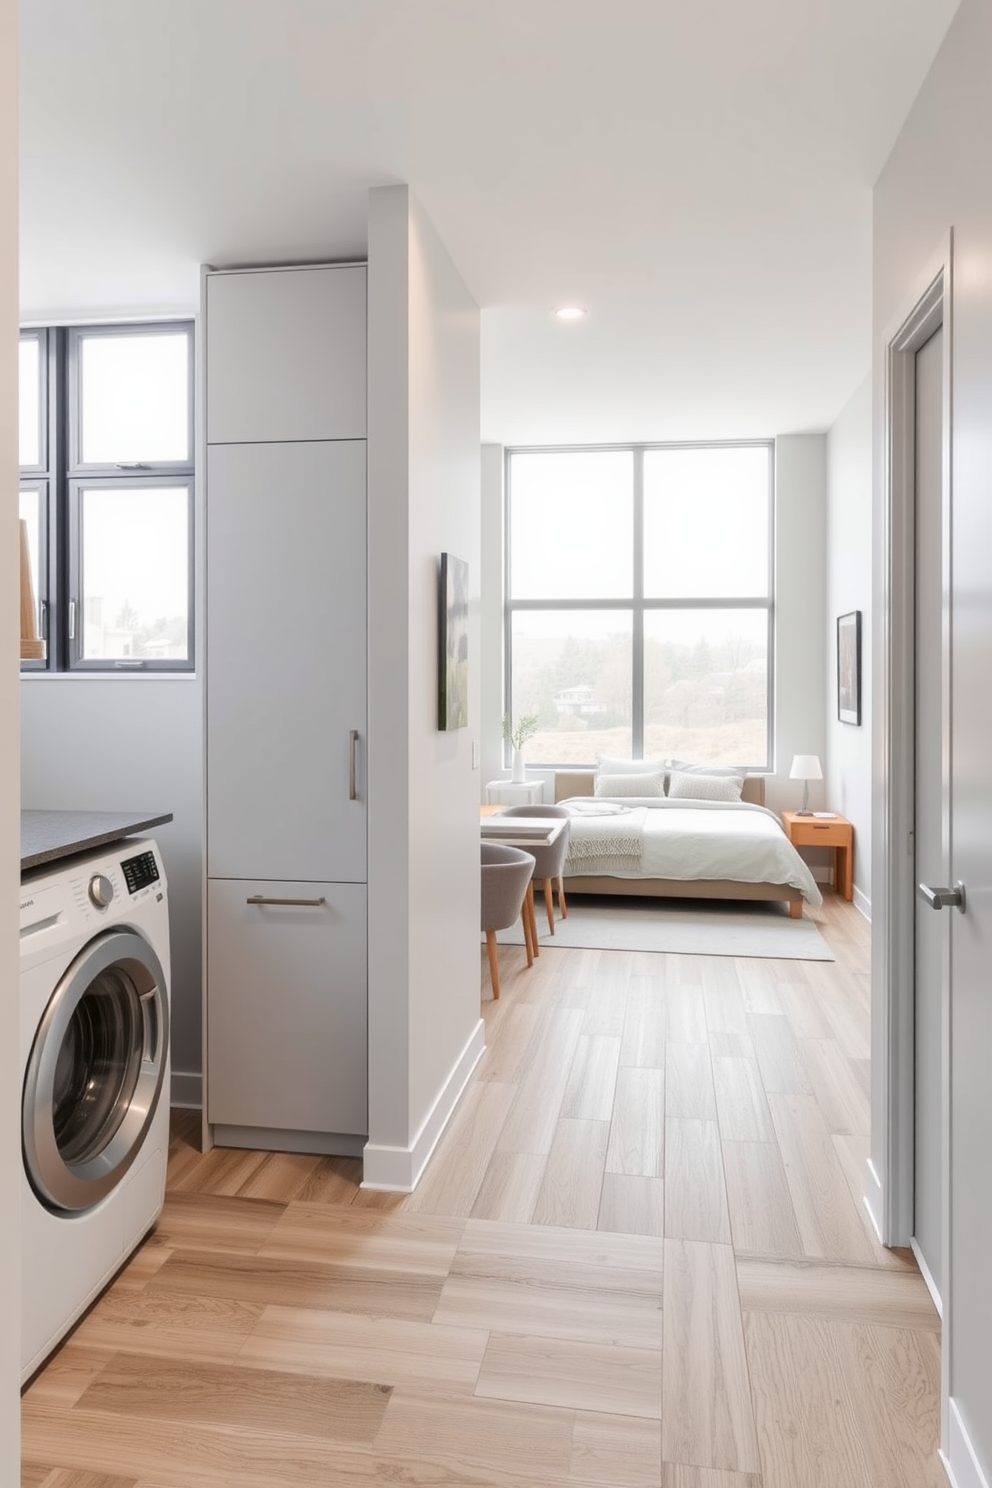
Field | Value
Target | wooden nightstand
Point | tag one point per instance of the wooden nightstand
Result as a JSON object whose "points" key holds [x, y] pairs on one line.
{"points": [[826, 831]]}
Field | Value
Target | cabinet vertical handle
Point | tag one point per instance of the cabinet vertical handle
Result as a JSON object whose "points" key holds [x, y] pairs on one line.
{"points": [[352, 757]]}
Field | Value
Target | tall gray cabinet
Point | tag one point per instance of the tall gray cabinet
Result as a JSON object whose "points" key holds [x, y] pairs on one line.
{"points": [[286, 1053]]}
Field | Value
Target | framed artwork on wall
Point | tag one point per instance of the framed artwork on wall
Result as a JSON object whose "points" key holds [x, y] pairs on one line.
{"points": [[849, 667], [452, 657]]}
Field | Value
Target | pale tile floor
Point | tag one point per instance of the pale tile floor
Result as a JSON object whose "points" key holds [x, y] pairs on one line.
{"points": [[638, 1258]]}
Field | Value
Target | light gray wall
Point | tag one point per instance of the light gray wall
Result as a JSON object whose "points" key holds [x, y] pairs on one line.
{"points": [[937, 180], [800, 664], [849, 587], [424, 499], [122, 744], [10, 1082]]}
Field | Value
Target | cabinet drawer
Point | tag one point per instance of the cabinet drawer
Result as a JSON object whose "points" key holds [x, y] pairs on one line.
{"points": [[287, 1020], [286, 354], [820, 834]]}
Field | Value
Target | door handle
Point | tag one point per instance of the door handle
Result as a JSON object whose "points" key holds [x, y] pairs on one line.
{"points": [[352, 769], [943, 898], [306, 903]]}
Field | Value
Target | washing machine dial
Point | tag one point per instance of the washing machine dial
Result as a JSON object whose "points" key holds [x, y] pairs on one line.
{"points": [[101, 890]]}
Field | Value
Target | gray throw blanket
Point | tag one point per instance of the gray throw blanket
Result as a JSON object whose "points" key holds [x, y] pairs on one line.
{"points": [[601, 843]]}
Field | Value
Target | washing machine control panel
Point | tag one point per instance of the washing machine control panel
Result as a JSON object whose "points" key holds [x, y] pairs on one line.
{"points": [[139, 872]]}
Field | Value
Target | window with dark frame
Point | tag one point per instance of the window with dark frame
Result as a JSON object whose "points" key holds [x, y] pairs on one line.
{"points": [[639, 612], [107, 493]]}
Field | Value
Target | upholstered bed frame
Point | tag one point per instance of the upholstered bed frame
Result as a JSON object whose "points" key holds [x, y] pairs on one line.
{"points": [[583, 783]]}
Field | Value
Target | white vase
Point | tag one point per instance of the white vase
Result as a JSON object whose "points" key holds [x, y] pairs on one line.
{"points": [[519, 772]]}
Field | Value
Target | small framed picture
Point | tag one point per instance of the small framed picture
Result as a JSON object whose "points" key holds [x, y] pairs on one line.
{"points": [[849, 667]]}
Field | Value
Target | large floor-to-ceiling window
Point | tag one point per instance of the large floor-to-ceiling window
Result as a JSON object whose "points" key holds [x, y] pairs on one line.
{"points": [[639, 602]]}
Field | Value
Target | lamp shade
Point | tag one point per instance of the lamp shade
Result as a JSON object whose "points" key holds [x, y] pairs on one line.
{"points": [[806, 767]]}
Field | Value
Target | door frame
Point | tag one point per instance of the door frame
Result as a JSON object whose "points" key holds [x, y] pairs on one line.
{"points": [[890, 1177]]}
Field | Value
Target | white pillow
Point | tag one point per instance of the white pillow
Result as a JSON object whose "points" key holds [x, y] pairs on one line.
{"points": [[690, 787], [639, 784], [727, 771], [607, 765]]}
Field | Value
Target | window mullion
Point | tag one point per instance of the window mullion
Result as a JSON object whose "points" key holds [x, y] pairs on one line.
{"points": [[637, 616]]}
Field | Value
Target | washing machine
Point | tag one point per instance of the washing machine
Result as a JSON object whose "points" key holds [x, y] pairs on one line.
{"points": [[95, 1078]]}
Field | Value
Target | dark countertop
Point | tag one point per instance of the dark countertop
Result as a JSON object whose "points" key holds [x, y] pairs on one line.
{"points": [[47, 836]]}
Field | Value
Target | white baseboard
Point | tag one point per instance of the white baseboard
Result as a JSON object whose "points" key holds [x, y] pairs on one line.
{"points": [[960, 1462], [927, 1275], [862, 902], [187, 1089], [398, 1169]]}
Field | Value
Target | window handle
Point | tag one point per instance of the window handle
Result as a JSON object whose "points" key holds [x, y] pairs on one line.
{"points": [[352, 764], [131, 465], [72, 619], [43, 618]]}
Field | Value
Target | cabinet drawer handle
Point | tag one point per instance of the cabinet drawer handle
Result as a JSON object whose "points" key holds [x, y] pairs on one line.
{"points": [[306, 903], [352, 753]]}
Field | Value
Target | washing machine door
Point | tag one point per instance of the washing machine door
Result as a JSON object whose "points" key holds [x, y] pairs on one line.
{"points": [[96, 1071]]}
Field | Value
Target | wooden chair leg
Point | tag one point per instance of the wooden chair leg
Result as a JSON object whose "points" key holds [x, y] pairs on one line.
{"points": [[533, 918], [528, 938], [549, 903], [561, 898], [493, 960]]}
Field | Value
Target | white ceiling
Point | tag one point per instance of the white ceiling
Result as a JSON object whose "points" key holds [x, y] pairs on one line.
{"points": [[698, 175]]}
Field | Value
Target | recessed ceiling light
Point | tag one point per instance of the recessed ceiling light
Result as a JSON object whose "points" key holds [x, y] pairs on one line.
{"points": [[570, 312]]}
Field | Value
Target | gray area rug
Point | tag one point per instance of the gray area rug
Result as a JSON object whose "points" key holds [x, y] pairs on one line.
{"points": [[696, 927]]}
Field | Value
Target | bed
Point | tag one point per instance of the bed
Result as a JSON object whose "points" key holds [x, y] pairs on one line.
{"points": [[682, 848]]}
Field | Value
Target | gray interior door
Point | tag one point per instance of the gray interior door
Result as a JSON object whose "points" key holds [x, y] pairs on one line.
{"points": [[932, 929]]}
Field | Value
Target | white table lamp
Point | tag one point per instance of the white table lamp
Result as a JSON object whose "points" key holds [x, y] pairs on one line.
{"points": [[805, 767]]}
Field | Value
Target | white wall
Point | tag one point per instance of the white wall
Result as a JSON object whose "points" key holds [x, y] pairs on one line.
{"points": [[10, 1084], [123, 744], [425, 1032], [849, 586], [800, 666]]}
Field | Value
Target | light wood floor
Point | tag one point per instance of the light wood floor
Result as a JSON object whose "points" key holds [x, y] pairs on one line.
{"points": [[639, 1257]]}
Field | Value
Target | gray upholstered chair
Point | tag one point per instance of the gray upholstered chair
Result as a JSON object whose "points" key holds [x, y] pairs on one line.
{"points": [[506, 876], [549, 861]]}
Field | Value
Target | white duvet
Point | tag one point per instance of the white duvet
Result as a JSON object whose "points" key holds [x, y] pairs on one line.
{"points": [[650, 837]]}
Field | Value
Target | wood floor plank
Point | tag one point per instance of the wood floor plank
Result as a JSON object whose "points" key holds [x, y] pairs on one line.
{"points": [[510, 1187], [633, 1204], [451, 1185], [689, 1082], [298, 1405], [616, 1451], [850, 1024], [189, 1455], [62, 1477], [741, 1107], [637, 1131], [573, 1179], [829, 1222], [208, 1222], [645, 1023], [570, 1374], [707, 1418], [276, 1281], [170, 1324], [894, 1377], [762, 1219], [686, 1010], [533, 1118], [67, 1374], [411, 1243], [569, 1257], [779, 1058], [476, 1434], [695, 1190], [808, 1431], [592, 1079], [376, 1350], [841, 1098], [632, 1319], [885, 1299], [677, 1475]]}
